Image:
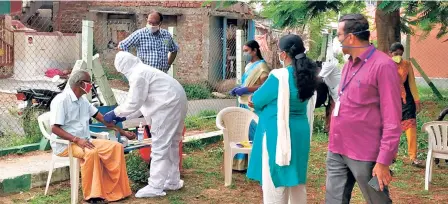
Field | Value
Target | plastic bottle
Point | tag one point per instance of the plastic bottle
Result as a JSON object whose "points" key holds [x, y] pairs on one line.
{"points": [[140, 132]]}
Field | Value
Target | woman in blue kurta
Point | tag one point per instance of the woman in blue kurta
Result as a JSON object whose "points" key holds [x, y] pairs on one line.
{"points": [[284, 181], [256, 72]]}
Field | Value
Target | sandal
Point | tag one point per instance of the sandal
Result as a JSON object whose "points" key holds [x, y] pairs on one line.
{"points": [[97, 201], [417, 163]]}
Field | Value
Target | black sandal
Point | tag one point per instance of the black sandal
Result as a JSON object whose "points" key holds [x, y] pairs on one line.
{"points": [[97, 201]]}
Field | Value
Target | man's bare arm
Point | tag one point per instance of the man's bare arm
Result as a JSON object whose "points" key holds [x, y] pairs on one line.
{"points": [[172, 56], [112, 126]]}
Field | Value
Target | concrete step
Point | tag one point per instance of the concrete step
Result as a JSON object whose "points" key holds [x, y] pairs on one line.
{"points": [[19, 173]]}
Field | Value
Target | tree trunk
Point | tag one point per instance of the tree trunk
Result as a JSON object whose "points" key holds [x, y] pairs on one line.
{"points": [[387, 28]]}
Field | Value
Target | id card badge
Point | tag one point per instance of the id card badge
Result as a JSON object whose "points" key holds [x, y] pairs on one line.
{"points": [[336, 108]]}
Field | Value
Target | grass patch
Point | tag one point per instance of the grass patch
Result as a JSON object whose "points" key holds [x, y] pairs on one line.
{"points": [[193, 145], [204, 121], [175, 199], [187, 163], [56, 195]]}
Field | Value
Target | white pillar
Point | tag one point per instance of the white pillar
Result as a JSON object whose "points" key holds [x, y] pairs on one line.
{"points": [[172, 70], [87, 43], [106, 94], [87, 47], [239, 55]]}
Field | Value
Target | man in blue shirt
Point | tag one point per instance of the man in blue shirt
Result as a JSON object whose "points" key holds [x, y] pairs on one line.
{"points": [[155, 46]]}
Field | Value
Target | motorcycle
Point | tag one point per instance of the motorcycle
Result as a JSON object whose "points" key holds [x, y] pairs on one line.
{"points": [[40, 99]]}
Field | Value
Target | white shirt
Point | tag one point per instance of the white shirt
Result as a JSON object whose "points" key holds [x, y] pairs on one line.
{"points": [[331, 75], [72, 114]]}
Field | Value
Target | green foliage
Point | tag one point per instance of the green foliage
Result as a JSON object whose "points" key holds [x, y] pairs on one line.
{"points": [[315, 27], [285, 14], [30, 124], [205, 120], [297, 13], [30, 127], [315, 8], [431, 13], [352, 7], [389, 6], [110, 75], [193, 145], [197, 91], [137, 169], [425, 15], [207, 113], [220, 4], [56, 195], [187, 162]]}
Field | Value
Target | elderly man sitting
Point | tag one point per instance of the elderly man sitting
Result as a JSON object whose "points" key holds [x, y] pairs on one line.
{"points": [[103, 167]]}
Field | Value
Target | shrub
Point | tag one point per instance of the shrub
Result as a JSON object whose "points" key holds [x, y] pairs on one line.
{"points": [[30, 123], [197, 91], [137, 170]]}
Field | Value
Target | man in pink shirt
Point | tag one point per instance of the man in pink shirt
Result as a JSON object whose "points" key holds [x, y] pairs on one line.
{"points": [[365, 125]]}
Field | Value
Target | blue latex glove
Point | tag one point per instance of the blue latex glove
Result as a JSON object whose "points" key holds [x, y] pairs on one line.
{"points": [[120, 119], [232, 92], [110, 116], [241, 91]]}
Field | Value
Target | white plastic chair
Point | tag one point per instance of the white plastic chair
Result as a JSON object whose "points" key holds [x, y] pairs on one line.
{"points": [[44, 125], [437, 147], [234, 122]]}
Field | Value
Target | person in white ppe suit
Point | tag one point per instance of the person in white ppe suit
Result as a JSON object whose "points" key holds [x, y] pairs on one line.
{"points": [[163, 103], [331, 76]]}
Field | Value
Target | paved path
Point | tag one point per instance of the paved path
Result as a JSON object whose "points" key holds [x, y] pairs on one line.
{"points": [[34, 162]]}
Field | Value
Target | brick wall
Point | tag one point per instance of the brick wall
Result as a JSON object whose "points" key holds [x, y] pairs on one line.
{"points": [[72, 12], [69, 15], [191, 33], [191, 22], [431, 54], [171, 4]]}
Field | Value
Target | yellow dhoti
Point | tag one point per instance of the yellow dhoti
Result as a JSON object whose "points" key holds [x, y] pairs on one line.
{"points": [[103, 170]]}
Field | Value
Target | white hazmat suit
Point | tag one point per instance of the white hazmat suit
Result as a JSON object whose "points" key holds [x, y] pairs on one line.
{"points": [[163, 103]]}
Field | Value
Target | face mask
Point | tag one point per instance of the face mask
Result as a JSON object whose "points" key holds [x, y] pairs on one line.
{"points": [[281, 61], [152, 28], [346, 57], [247, 56], [88, 87], [396, 59], [355, 33]]}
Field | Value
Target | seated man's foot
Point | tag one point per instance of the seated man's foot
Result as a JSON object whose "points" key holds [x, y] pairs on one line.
{"points": [[174, 187], [97, 200], [149, 192], [418, 163]]}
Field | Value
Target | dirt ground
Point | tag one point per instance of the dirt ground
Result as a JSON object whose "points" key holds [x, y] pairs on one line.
{"points": [[204, 180], [204, 183], [118, 84]]}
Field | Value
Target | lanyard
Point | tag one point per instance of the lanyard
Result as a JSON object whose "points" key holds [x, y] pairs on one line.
{"points": [[356, 72]]}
